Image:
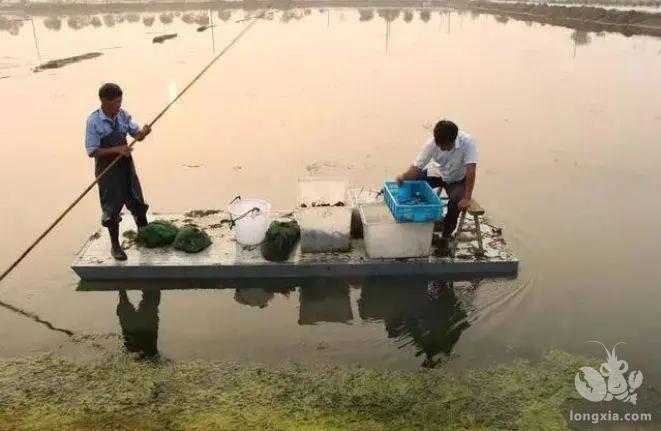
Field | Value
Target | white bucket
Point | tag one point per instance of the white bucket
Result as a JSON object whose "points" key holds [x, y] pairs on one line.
{"points": [[251, 228]]}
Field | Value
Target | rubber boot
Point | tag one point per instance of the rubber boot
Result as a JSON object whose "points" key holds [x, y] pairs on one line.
{"points": [[141, 220], [116, 248]]}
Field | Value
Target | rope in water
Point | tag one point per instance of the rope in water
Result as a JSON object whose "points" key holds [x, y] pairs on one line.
{"points": [[96, 180]]}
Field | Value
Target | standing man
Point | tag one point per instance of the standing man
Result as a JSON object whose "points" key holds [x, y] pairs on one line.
{"points": [[455, 152], [105, 139]]}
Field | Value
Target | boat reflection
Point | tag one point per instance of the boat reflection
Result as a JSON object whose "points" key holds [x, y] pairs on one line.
{"points": [[421, 315]]}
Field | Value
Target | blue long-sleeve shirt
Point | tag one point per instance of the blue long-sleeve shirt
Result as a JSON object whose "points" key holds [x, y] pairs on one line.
{"points": [[100, 125]]}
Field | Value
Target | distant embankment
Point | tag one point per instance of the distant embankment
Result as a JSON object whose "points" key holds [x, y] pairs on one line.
{"points": [[582, 18], [610, 3]]}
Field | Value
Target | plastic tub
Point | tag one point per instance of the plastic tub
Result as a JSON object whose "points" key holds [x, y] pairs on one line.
{"points": [[357, 197], [385, 238], [321, 191], [324, 229], [430, 209], [250, 228]]}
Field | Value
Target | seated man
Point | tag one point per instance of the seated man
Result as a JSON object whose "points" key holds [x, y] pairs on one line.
{"points": [[455, 152]]}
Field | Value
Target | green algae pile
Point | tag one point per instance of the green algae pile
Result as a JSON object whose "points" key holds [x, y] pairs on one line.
{"points": [[158, 233], [280, 240], [120, 393], [191, 240]]}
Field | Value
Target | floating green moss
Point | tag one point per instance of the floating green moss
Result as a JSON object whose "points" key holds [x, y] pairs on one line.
{"points": [[56, 64], [163, 38], [119, 393], [130, 238], [201, 213]]}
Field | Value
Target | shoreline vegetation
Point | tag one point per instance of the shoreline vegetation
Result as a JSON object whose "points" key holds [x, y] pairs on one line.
{"points": [[571, 15], [119, 393]]}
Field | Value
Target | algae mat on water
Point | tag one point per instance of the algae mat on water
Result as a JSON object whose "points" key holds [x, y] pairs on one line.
{"points": [[119, 393], [61, 62]]}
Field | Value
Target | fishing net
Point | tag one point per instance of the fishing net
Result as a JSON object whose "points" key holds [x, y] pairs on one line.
{"points": [[280, 240], [191, 240], [157, 234]]}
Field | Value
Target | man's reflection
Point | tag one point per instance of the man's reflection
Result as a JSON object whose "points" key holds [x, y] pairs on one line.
{"points": [[432, 323], [140, 327]]}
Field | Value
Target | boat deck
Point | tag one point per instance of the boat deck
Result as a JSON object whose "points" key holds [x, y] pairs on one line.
{"points": [[226, 259]]}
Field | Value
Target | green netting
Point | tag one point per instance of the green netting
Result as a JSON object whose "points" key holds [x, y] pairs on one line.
{"points": [[157, 234], [191, 240], [280, 240]]}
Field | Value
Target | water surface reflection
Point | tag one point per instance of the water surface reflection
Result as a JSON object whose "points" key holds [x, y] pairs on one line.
{"points": [[421, 316]]}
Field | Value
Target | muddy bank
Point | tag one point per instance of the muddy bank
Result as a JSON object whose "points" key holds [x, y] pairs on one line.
{"points": [[56, 64], [611, 3], [582, 18], [120, 393]]}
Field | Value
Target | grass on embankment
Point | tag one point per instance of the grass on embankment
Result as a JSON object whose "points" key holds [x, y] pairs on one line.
{"points": [[122, 394]]}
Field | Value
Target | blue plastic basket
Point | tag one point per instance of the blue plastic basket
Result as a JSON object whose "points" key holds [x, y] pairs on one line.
{"points": [[396, 198]]}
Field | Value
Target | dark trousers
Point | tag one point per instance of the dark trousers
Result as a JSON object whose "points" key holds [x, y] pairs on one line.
{"points": [[455, 193], [120, 185]]}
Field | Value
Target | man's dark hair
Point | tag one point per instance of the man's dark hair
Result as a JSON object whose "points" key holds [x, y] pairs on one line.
{"points": [[109, 91], [445, 132]]}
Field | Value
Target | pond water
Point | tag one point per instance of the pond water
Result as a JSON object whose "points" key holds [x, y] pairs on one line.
{"points": [[567, 125]]}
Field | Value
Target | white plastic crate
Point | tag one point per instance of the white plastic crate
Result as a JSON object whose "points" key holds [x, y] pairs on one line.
{"points": [[385, 238]]}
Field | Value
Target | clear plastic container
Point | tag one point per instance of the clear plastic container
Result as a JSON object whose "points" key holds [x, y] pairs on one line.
{"points": [[364, 196], [321, 191], [385, 238], [324, 229], [357, 197]]}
